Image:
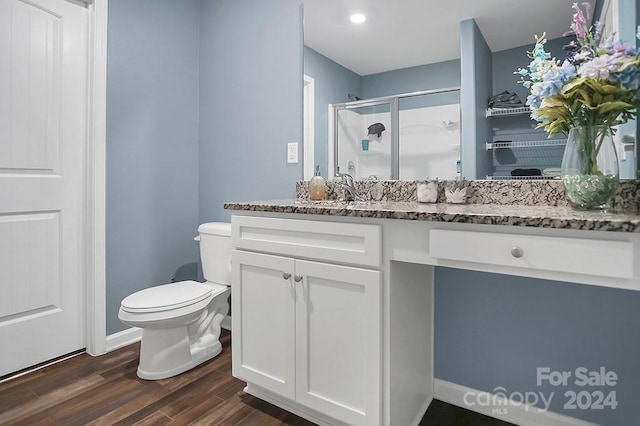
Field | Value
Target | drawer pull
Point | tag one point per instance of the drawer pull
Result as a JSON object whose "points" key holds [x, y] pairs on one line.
{"points": [[286, 275], [517, 251], [297, 278]]}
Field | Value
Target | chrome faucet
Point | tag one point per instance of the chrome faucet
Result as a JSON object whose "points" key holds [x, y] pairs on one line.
{"points": [[346, 183]]}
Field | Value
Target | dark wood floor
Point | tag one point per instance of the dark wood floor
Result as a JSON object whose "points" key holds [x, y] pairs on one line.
{"points": [[443, 414], [106, 391]]}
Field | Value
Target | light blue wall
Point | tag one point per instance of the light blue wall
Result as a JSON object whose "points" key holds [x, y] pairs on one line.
{"points": [[425, 77], [496, 330], [152, 145], [168, 170], [414, 79], [476, 65], [332, 84], [491, 330], [250, 101], [628, 20]]}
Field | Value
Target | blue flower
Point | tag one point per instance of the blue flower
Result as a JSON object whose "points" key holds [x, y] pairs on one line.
{"points": [[533, 101], [554, 79], [557, 104], [550, 88], [629, 78]]}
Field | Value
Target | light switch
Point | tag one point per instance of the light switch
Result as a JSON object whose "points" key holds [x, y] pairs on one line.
{"points": [[292, 152]]}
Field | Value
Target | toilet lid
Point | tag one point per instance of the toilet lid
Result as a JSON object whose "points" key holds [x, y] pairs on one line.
{"points": [[167, 296]]}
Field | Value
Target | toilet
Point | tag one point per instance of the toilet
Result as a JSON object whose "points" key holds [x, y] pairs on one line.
{"points": [[181, 321]]}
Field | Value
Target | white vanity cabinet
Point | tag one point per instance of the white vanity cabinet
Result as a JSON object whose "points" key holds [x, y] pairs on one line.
{"points": [[351, 341], [306, 329]]}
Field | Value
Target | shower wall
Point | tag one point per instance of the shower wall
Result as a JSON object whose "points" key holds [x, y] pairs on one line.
{"points": [[352, 158], [427, 147]]}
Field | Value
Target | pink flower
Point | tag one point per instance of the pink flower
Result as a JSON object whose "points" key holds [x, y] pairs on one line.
{"points": [[624, 48], [579, 22]]}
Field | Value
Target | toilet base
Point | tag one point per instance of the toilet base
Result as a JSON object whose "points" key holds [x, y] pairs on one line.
{"points": [[167, 352], [156, 374]]}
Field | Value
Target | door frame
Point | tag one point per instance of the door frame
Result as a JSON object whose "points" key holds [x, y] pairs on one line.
{"points": [[309, 126], [94, 263]]}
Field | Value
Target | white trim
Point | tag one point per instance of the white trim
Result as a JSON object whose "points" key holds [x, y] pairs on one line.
{"points": [[309, 127], [331, 167], [94, 264], [82, 3], [123, 338], [291, 406], [517, 413], [610, 10]]}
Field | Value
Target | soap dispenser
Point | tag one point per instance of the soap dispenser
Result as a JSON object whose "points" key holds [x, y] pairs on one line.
{"points": [[317, 186]]}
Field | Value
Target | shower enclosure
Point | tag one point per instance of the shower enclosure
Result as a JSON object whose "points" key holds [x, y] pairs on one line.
{"points": [[410, 136]]}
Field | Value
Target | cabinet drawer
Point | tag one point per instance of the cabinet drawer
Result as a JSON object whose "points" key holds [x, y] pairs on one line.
{"points": [[352, 243], [571, 255]]}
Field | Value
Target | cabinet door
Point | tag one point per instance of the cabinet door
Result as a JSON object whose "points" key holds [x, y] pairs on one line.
{"points": [[338, 341], [263, 302]]}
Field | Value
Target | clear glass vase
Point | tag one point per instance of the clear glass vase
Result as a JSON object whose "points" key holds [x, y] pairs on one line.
{"points": [[590, 167]]}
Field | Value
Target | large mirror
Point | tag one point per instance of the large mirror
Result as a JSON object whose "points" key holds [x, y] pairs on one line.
{"points": [[408, 46]]}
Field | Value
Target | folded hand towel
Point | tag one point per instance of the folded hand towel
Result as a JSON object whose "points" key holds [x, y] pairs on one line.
{"points": [[526, 172]]}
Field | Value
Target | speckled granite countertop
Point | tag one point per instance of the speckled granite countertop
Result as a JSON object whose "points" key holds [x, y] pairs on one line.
{"points": [[513, 203], [487, 214]]}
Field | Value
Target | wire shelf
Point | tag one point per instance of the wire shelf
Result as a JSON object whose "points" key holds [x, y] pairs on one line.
{"points": [[526, 144], [500, 112], [522, 177]]}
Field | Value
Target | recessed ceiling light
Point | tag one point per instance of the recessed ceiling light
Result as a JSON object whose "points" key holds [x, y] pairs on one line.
{"points": [[358, 18]]}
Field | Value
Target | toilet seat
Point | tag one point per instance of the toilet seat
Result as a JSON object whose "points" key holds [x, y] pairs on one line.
{"points": [[167, 297]]}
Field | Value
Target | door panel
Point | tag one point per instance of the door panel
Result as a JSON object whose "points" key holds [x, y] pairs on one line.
{"points": [[42, 132], [338, 335], [30, 114], [263, 321], [30, 260]]}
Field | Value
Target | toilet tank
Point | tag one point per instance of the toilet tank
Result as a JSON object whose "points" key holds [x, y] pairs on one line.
{"points": [[215, 251]]}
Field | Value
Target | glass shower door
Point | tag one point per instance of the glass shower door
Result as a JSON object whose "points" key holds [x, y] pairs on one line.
{"points": [[363, 140]]}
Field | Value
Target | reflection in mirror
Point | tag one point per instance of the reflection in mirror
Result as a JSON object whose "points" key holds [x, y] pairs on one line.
{"points": [[362, 142], [342, 67], [336, 84], [410, 136], [429, 139]]}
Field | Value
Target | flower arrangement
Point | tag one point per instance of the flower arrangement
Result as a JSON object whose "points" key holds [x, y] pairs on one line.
{"points": [[596, 85]]}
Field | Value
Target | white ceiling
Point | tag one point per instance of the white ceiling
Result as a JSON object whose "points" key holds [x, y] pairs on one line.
{"points": [[405, 33]]}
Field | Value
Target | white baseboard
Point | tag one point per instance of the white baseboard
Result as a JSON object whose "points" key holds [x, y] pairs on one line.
{"points": [[501, 408], [123, 338], [291, 406]]}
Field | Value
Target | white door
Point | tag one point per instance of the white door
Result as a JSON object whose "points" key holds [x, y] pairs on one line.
{"points": [[43, 64], [338, 341], [262, 317]]}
